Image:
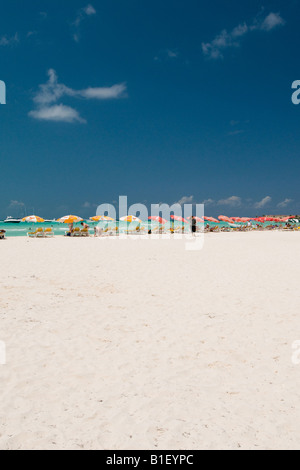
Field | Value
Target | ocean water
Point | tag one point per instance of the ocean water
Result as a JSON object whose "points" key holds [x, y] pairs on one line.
{"points": [[21, 229]]}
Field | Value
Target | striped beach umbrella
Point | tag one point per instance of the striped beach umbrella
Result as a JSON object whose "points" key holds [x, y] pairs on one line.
{"points": [[99, 218], [198, 219], [33, 219], [211, 219], [224, 218], [69, 219], [158, 219], [130, 218], [178, 219]]}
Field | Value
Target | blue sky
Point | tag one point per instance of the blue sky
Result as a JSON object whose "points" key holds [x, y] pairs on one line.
{"points": [[162, 101]]}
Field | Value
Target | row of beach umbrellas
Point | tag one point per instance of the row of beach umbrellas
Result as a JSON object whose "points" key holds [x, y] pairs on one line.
{"points": [[67, 219]]}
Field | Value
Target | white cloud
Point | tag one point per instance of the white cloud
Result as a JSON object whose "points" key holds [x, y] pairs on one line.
{"points": [[115, 91], [172, 54], [284, 203], [272, 21], [57, 113], [266, 200], [9, 41], [16, 204], [52, 91], [237, 132], [82, 14], [225, 39], [208, 202], [233, 201], [185, 200], [167, 54], [89, 10]]}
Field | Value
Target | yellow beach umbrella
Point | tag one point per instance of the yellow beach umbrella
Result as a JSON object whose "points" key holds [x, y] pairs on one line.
{"points": [[69, 219], [98, 218], [33, 219], [130, 218]]}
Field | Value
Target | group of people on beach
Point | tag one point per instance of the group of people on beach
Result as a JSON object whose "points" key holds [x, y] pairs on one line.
{"points": [[71, 228]]}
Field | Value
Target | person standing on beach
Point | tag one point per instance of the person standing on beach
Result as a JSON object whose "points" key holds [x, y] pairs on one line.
{"points": [[193, 225], [71, 228]]}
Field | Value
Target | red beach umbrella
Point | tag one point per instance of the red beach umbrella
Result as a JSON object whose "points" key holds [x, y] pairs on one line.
{"points": [[224, 218], [211, 219], [158, 219], [198, 219], [179, 219]]}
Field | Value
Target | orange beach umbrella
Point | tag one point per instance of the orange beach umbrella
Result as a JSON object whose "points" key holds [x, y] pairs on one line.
{"points": [[33, 219], [98, 218], [130, 218], [69, 219]]}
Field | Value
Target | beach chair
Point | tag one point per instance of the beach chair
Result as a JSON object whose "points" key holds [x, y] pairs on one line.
{"points": [[48, 233], [76, 232], [38, 233], [2, 234], [84, 232], [114, 231]]}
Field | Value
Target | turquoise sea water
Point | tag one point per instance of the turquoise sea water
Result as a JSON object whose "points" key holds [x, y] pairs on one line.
{"points": [[21, 229]]}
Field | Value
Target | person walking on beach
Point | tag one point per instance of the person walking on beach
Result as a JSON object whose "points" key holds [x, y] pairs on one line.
{"points": [[193, 225]]}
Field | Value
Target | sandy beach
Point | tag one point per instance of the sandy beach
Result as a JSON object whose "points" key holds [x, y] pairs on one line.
{"points": [[135, 344]]}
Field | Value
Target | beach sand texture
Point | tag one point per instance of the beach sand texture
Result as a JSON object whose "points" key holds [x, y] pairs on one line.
{"points": [[135, 344]]}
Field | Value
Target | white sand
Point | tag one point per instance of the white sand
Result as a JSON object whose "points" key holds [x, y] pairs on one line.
{"points": [[143, 345]]}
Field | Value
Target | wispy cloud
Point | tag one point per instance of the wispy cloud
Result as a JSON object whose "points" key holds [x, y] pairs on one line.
{"points": [[236, 132], [167, 54], [266, 200], [9, 41], [16, 204], [232, 201], [185, 200], [208, 202], [82, 15], [272, 21], [58, 113], [225, 39], [52, 91], [284, 203]]}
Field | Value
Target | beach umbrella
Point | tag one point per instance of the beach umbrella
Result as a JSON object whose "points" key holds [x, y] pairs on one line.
{"points": [[69, 219], [33, 219], [99, 218], [198, 219], [130, 218], [178, 219], [211, 219], [224, 218], [241, 219], [158, 219]]}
